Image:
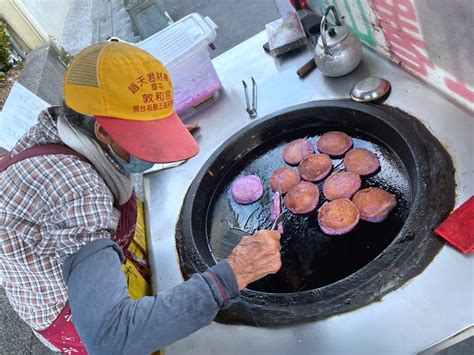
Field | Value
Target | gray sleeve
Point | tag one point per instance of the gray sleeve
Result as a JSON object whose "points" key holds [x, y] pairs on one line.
{"points": [[109, 322]]}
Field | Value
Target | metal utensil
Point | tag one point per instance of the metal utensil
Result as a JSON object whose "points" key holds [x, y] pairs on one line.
{"points": [[277, 221], [224, 246], [251, 110], [276, 209], [339, 51], [227, 243], [370, 89]]}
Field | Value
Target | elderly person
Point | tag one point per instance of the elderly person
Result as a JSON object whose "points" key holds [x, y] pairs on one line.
{"points": [[68, 213]]}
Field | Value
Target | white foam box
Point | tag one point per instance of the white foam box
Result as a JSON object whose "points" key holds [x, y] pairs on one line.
{"points": [[183, 47]]}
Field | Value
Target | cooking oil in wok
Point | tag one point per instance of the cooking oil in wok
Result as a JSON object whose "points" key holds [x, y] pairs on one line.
{"points": [[311, 259]]}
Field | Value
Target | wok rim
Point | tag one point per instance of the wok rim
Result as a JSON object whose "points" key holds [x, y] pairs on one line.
{"points": [[374, 280]]}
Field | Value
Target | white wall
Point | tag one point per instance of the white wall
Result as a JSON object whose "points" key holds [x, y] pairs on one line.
{"points": [[49, 14]]}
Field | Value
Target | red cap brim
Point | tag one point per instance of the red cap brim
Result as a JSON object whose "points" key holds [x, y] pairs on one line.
{"points": [[165, 140]]}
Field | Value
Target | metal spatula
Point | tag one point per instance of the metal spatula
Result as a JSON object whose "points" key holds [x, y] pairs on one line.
{"points": [[224, 246]]}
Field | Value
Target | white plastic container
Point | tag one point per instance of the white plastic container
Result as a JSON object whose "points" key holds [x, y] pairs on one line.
{"points": [[183, 48]]}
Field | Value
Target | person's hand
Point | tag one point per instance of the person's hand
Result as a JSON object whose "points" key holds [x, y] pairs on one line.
{"points": [[255, 257]]}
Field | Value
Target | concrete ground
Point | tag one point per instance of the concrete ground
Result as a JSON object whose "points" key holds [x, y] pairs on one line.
{"points": [[237, 21], [15, 336]]}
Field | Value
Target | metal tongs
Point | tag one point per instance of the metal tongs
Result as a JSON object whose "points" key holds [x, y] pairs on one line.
{"points": [[277, 221], [276, 212], [252, 111]]}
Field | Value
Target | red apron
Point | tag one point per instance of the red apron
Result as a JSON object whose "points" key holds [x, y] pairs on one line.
{"points": [[62, 332]]}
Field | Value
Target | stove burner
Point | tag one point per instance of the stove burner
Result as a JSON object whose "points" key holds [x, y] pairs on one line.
{"points": [[323, 275]]}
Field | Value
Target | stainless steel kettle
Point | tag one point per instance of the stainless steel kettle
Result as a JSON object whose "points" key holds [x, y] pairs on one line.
{"points": [[338, 51]]}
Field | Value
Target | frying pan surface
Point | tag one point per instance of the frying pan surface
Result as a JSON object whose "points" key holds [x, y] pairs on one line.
{"points": [[310, 258]]}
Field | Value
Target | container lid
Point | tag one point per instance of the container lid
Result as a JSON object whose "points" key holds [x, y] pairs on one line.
{"points": [[370, 89], [284, 31], [181, 39]]}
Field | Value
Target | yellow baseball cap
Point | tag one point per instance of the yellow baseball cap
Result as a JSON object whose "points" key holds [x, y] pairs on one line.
{"points": [[131, 95]]}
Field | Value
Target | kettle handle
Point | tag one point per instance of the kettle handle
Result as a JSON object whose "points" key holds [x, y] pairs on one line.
{"points": [[323, 24]]}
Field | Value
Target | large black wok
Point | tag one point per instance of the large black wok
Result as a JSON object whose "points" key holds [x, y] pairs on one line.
{"points": [[323, 275]]}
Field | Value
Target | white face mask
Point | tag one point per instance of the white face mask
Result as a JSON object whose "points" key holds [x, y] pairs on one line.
{"points": [[134, 166]]}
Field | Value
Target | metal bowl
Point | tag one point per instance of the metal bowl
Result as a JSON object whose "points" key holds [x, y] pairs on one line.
{"points": [[370, 89]]}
